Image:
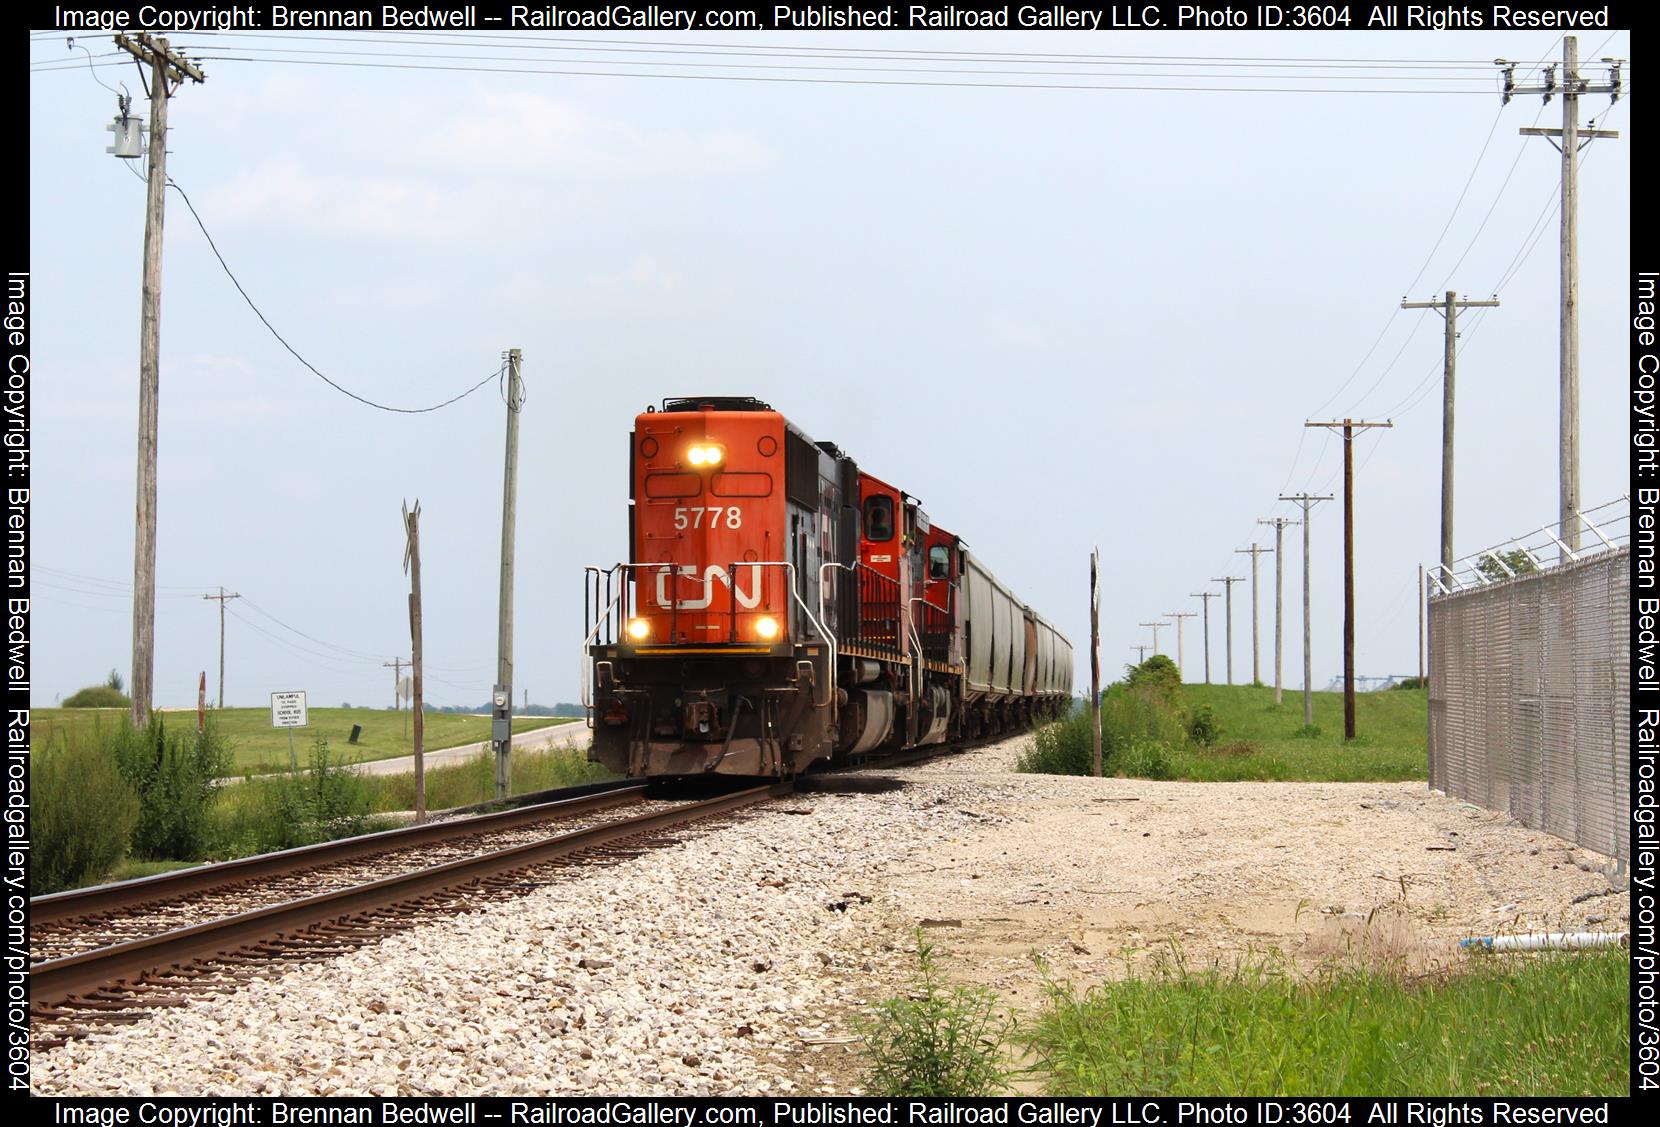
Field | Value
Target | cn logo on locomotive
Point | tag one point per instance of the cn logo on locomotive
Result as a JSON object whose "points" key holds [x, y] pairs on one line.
{"points": [[749, 601]]}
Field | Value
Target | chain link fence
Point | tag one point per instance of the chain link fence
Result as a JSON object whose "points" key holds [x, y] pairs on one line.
{"points": [[1530, 695]]}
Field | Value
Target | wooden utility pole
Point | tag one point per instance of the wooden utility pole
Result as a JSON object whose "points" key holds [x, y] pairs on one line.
{"points": [[1227, 614], [412, 565], [222, 597], [501, 722], [396, 666], [1156, 627], [1568, 140], [1095, 656], [1349, 426], [1421, 626], [1448, 307], [1207, 596], [1256, 660], [1178, 615], [1307, 501], [168, 71], [1279, 524], [1140, 649]]}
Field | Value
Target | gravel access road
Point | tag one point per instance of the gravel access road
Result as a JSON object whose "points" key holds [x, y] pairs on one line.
{"points": [[731, 962]]}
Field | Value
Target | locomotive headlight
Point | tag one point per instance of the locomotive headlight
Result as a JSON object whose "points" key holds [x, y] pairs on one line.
{"points": [[696, 455], [638, 629], [707, 455], [766, 628]]}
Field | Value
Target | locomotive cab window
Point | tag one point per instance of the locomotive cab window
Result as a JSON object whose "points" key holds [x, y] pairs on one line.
{"points": [[879, 518], [939, 562]]}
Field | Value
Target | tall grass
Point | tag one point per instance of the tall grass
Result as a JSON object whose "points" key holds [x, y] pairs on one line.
{"points": [[1216, 733], [473, 781], [81, 813], [936, 1039], [324, 801], [174, 774], [1140, 735], [1554, 1024]]}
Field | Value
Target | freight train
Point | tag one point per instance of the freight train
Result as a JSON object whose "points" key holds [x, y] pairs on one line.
{"points": [[783, 607]]}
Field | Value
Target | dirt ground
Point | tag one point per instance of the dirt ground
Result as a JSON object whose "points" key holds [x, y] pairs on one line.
{"points": [[1095, 876]]}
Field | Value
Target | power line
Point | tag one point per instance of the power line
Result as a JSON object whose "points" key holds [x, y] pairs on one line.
{"points": [[1395, 312], [886, 67], [567, 73], [309, 366], [557, 42], [123, 585]]}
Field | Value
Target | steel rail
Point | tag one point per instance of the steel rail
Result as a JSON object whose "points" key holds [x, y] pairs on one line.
{"points": [[60, 980], [59, 906]]}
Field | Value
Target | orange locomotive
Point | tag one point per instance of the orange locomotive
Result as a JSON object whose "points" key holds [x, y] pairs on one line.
{"points": [[781, 607]]}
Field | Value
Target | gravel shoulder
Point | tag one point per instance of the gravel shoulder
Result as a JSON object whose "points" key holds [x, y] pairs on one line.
{"points": [[730, 962]]}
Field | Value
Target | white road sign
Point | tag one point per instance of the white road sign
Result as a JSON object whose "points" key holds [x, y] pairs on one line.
{"points": [[288, 710]]}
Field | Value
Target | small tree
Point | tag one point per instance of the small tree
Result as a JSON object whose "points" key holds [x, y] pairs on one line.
{"points": [[1158, 675], [1517, 560]]}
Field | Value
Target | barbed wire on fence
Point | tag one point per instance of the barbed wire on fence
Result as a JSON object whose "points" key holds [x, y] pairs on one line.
{"points": [[1604, 528]]}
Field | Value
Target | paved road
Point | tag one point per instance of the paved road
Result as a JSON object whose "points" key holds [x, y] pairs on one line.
{"points": [[573, 734]]}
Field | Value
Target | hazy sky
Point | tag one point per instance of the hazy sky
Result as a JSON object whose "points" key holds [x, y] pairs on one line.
{"points": [[1062, 318]]}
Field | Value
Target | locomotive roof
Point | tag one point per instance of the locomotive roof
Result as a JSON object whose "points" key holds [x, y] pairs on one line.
{"points": [[716, 403]]}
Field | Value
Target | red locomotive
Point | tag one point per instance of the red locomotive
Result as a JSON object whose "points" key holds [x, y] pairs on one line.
{"points": [[782, 607]]}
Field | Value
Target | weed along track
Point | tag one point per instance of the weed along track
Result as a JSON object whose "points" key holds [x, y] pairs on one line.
{"points": [[105, 968]]}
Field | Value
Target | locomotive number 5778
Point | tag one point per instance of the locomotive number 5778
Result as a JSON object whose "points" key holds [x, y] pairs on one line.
{"points": [[781, 606]]}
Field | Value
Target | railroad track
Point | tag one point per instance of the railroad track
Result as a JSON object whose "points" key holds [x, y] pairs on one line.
{"points": [[121, 981], [67, 923]]}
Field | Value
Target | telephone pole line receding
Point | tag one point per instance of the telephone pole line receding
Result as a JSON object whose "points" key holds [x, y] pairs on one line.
{"points": [[1227, 614], [1572, 139], [1157, 626], [1349, 426], [222, 597], [1448, 307], [168, 70], [1179, 615], [501, 721], [1307, 501], [1256, 663], [1207, 596], [1141, 652], [1279, 524]]}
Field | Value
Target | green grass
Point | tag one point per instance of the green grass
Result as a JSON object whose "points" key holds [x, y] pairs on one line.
{"points": [[132, 870], [260, 748], [463, 784], [1144, 735], [1390, 744], [1550, 1024]]}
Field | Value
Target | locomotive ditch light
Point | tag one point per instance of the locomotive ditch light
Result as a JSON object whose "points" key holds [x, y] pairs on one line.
{"points": [[766, 627], [639, 629], [706, 455]]}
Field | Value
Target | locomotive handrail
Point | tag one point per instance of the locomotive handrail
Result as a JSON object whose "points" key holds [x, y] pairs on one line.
{"points": [[878, 593], [824, 634], [588, 639], [629, 570]]}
